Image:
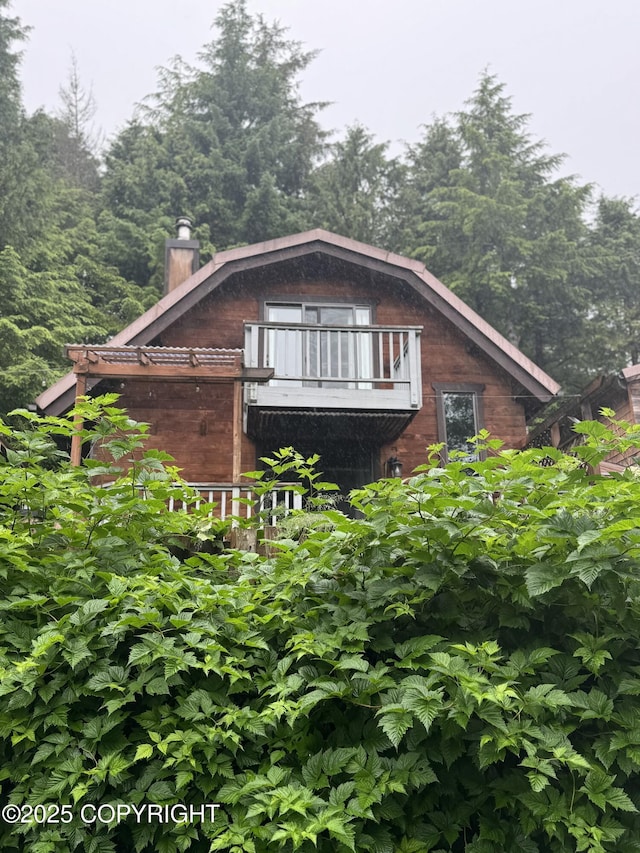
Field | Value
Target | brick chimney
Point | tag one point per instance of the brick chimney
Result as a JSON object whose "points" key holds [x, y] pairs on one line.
{"points": [[181, 256]]}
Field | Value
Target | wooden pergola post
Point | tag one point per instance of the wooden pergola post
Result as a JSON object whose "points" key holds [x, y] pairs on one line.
{"points": [[236, 467], [78, 423]]}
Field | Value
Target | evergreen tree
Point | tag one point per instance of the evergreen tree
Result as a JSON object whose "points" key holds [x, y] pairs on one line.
{"points": [[229, 142], [355, 192], [55, 286], [41, 311], [431, 163], [32, 176], [612, 280], [506, 234], [78, 142], [17, 159]]}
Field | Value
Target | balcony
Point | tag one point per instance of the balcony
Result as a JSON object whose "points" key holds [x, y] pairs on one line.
{"points": [[351, 368]]}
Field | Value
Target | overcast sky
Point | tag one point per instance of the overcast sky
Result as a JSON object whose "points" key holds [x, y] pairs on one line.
{"points": [[390, 64]]}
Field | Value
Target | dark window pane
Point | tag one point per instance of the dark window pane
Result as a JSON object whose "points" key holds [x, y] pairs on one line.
{"points": [[460, 419], [310, 314]]}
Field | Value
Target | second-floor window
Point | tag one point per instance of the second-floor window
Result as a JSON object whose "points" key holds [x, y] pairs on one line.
{"points": [[320, 314], [315, 346]]}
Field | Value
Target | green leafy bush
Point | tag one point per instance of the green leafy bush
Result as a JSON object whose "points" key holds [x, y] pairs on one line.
{"points": [[455, 670]]}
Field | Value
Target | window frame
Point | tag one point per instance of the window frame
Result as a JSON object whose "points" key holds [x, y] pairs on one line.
{"points": [[320, 302], [305, 300], [473, 388]]}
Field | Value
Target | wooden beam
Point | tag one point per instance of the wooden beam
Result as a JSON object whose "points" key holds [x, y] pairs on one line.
{"points": [[111, 370], [155, 362], [82, 366], [76, 439], [258, 374]]}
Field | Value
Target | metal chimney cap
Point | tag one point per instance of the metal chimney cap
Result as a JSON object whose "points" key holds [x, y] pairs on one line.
{"points": [[184, 225]]}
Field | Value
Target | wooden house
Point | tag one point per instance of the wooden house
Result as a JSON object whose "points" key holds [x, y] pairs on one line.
{"points": [[619, 392], [315, 341]]}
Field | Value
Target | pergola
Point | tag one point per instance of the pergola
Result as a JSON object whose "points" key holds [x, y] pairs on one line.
{"points": [[175, 364]]}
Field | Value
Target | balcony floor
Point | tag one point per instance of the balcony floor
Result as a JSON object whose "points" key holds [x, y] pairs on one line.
{"points": [[385, 397]]}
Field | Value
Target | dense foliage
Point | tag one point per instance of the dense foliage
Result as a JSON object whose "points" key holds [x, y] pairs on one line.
{"points": [[231, 143], [455, 670]]}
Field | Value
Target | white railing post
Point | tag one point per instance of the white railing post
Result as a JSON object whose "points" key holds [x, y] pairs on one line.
{"points": [[401, 346], [415, 371], [251, 336], [235, 505]]}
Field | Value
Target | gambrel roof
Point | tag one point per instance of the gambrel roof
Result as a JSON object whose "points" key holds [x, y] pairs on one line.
{"points": [[145, 329]]}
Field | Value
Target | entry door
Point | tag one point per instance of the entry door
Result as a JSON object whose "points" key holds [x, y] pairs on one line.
{"points": [[349, 466]]}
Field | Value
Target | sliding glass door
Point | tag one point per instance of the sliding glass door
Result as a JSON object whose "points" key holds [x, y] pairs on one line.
{"points": [[323, 351]]}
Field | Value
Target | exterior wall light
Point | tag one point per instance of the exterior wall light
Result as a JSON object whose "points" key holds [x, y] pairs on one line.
{"points": [[394, 467]]}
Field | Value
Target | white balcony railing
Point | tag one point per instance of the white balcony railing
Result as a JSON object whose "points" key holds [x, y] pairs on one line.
{"points": [[362, 367]]}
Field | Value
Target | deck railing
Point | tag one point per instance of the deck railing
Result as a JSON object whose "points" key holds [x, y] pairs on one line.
{"points": [[239, 502], [381, 364]]}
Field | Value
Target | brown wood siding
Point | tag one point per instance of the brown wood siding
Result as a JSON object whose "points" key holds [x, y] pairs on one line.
{"points": [[627, 408], [448, 357], [633, 415], [192, 422], [177, 411]]}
